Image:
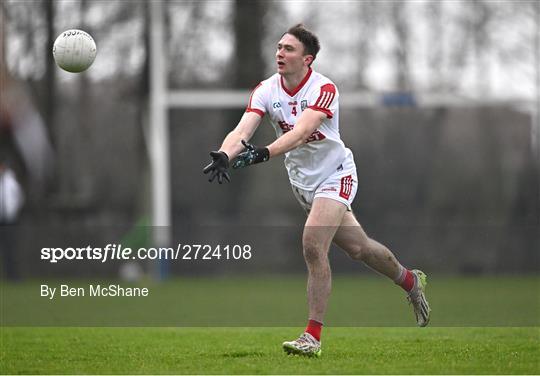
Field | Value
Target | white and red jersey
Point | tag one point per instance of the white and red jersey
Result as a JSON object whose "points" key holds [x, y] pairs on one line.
{"points": [[311, 163]]}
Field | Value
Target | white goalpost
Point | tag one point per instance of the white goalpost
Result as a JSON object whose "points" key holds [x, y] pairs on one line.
{"points": [[158, 130]]}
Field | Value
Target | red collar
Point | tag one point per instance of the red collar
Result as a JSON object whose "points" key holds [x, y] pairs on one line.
{"points": [[300, 85]]}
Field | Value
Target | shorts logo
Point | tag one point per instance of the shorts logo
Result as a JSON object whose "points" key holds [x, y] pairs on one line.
{"points": [[346, 187], [303, 104], [329, 189]]}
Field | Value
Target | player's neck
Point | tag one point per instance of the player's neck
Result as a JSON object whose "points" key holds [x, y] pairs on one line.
{"points": [[291, 81]]}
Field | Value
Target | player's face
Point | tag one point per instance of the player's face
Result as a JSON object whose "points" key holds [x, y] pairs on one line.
{"points": [[290, 58]]}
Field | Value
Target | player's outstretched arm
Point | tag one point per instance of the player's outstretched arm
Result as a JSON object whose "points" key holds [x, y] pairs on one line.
{"points": [[308, 122], [232, 145]]}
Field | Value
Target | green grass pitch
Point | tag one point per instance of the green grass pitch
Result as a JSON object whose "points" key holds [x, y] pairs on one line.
{"points": [[479, 326], [258, 350]]}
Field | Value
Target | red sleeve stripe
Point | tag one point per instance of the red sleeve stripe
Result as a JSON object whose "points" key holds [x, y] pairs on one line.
{"points": [[325, 99], [256, 110], [326, 111], [328, 93]]}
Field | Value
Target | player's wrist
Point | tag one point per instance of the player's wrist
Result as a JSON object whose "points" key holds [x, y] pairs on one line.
{"points": [[225, 155], [252, 155], [263, 154], [270, 152]]}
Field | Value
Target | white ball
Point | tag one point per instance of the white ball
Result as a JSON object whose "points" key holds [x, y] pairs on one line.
{"points": [[74, 50]]}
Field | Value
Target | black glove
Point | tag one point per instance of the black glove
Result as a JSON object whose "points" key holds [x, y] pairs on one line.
{"points": [[218, 167], [252, 155]]}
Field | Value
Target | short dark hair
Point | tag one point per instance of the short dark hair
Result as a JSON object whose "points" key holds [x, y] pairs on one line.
{"points": [[308, 39]]}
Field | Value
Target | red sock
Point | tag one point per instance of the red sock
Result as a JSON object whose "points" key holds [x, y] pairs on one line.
{"points": [[314, 328], [406, 280]]}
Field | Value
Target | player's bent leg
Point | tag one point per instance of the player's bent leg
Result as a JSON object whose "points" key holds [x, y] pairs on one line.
{"points": [[353, 240]]}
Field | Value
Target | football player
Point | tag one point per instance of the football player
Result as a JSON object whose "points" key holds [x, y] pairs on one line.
{"points": [[303, 107]]}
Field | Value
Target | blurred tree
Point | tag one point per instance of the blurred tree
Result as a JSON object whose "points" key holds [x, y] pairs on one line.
{"points": [[482, 14], [182, 39], [29, 39], [435, 48], [248, 63], [49, 83], [80, 184], [367, 32], [200, 43], [248, 68], [400, 22]]}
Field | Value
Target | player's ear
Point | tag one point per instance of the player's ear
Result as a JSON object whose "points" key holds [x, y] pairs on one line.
{"points": [[308, 59]]}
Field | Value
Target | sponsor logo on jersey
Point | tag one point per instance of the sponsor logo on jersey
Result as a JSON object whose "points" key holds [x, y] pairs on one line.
{"points": [[315, 136], [303, 104], [276, 105], [284, 126]]}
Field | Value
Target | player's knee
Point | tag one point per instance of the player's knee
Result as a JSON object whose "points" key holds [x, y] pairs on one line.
{"points": [[313, 252]]}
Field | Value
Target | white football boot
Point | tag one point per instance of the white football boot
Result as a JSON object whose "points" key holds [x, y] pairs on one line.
{"points": [[417, 298], [305, 345]]}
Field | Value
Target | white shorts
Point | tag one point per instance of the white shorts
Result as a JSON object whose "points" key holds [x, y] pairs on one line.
{"points": [[341, 186]]}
